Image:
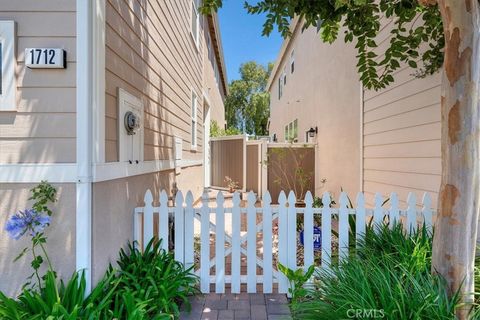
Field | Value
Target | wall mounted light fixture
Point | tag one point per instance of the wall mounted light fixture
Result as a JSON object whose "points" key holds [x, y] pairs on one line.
{"points": [[312, 132]]}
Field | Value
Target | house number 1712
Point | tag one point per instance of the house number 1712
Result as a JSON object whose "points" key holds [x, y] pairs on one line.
{"points": [[45, 58]]}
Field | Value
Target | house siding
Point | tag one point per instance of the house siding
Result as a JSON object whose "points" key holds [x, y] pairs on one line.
{"points": [[151, 54], [42, 129], [324, 92], [401, 134], [61, 235]]}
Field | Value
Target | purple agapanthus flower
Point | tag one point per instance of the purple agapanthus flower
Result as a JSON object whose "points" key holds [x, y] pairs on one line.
{"points": [[26, 221]]}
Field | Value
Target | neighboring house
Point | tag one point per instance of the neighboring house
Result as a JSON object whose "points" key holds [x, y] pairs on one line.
{"points": [[367, 141], [161, 60]]}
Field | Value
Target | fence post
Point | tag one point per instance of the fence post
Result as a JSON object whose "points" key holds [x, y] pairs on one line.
{"points": [[308, 232], [147, 218], [220, 245], [411, 212], [292, 231], [251, 244], [326, 231], [236, 262], [282, 241], [343, 227], [189, 218], [179, 225], [360, 224], [427, 211], [163, 220], [267, 243], [205, 245], [394, 216], [378, 213]]}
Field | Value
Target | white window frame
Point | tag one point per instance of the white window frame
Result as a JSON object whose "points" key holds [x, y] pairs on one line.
{"points": [[291, 131], [8, 61], [194, 124], [195, 34]]}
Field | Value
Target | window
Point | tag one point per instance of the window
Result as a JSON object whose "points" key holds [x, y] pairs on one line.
{"points": [[280, 87], [292, 61], [195, 21], [194, 120], [7, 66], [285, 76], [291, 131]]}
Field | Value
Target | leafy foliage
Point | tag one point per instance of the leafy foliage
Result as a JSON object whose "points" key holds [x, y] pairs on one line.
{"points": [[416, 31], [148, 285], [389, 272], [151, 281], [247, 104], [297, 280], [216, 131], [43, 194], [56, 301], [32, 222]]}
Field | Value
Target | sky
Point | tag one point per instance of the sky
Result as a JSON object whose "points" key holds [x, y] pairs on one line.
{"points": [[242, 38]]}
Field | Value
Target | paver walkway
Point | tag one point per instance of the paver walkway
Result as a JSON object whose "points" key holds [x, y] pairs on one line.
{"points": [[243, 306]]}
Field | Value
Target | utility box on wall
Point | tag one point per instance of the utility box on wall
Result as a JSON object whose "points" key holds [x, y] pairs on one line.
{"points": [[178, 149], [130, 127]]}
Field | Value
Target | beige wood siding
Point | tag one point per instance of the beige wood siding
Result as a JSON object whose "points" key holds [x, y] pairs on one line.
{"points": [[402, 137], [43, 127], [151, 53]]}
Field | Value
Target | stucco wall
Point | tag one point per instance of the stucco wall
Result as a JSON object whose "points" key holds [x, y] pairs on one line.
{"points": [[324, 92], [61, 235], [114, 202], [43, 127]]}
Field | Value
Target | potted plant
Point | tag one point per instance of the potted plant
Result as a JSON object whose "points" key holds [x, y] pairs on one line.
{"points": [[232, 185]]}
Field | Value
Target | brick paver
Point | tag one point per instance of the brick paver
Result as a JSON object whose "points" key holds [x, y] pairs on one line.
{"points": [[255, 306]]}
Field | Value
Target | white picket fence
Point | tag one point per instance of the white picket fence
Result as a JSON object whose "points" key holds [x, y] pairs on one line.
{"points": [[260, 236]]}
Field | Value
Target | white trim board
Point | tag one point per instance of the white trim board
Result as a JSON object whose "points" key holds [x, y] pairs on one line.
{"points": [[120, 170], [36, 172], [67, 172], [98, 65], [85, 80], [8, 63]]}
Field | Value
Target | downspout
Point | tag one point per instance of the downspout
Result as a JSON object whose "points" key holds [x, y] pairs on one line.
{"points": [[83, 234]]}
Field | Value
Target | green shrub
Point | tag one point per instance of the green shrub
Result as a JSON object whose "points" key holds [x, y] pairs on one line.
{"points": [[389, 277], [147, 285], [55, 300], [152, 280]]}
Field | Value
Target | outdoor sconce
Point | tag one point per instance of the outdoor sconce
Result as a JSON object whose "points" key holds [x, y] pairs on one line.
{"points": [[312, 132]]}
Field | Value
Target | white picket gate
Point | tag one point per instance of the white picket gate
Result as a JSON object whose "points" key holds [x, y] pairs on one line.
{"points": [[261, 231]]}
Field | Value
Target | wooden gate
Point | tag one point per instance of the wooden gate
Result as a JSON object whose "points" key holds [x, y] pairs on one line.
{"points": [[228, 157]]}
